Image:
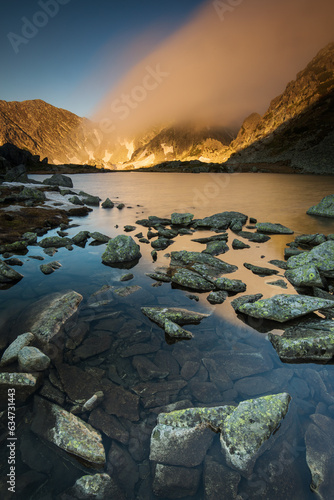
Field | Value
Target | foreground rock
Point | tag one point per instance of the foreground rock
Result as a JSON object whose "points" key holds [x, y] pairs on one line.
{"points": [[32, 359], [7, 274], [284, 307], [11, 353], [68, 432], [181, 219], [121, 249], [321, 256], [325, 208], [97, 487], [181, 317], [245, 432], [25, 384]]}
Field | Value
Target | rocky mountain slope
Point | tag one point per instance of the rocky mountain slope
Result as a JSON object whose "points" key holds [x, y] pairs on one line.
{"points": [[298, 128]]}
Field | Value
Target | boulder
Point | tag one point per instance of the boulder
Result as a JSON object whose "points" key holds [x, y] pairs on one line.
{"points": [[325, 208], [161, 243], [307, 275], [108, 204], [284, 307], [189, 279], [321, 256], [75, 200], [178, 219], [216, 248], [68, 432], [7, 274], [32, 359], [59, 180], [101, 238], [121, 249], [81, 238], [10, 354], [239, 301], [95, 487], [269, 228], [16, 247], [239, 245], [55, 242], [310, 240], [246, 431], [230, 285], [29, 193], [179, 316]]}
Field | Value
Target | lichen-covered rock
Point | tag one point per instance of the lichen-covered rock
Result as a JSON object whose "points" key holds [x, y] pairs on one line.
{"points": [[30, 238], [175, 482], [24, 384], [192, 417], [101, 238], [254, 237], [10, 354], [321, 256], [325, 208], [284, 307], [68, 432], [96, 487], [268, 227], [208, 239], [159, 277], [310, 240], [307, 275], [260, 271], [7, 274], [222, 220], [32, 359], [189, 279], [107, 203], [239, 245], [121, 249], [217, 297], [29, 193], [179, 316], [230, 285], [129, 229], [55, 242], [161, 243], [16, 247], [216, 248], [50, 267], [185, 258], [175, 331], [239, 301], [59, 180], [181, 219], [246, 430], [80, 238]]}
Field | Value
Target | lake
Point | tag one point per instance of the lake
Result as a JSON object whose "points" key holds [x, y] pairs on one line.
{"points": [[221, 340]]}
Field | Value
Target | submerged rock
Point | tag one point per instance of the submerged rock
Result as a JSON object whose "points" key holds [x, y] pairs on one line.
{"points": [[325, 208], [284, 307], [68, 432], [220, 482], [268, 227], [247, 429], [7, 274], [96, 487], [321, 256], [181, 219], [121, 249], [175, 482], [181, 317]]}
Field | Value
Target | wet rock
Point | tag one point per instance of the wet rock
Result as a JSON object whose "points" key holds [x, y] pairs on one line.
{"points": [[319, 455], [7, 274], [109, 425], [35, 195], [14, 262], [93, 346], [246, 431], [161, 243], [307, 275], [239, 301], [254, 237], [218, 237], [120, 402], [268, 227], [99, 237], [278, 263], [55, 242], [189, 369], [11, 353], [185, 258], [230, 285], [107, 203], [242, 364], [50, 267], [321, 256], [292, 252], [47, 316], [310, 240], [121, 249], [174, 331], [129, 229], [25, 384], [159, 277], [222, 220], [122, 466], [126, 291], [181, 219], [220, 482], [93, 402], [192, 280], [148, 370], [127, 277], [239, 245], [261, 271], [80, 238], [179, 316], [217, 297], [51, 393], [216, 248], [30, 238], [254, 386], [284, 307], [204, 392], [68, 432], [32, 359], [280, 283], [79, 385], [98, 486], [75, 200], [325, 208], [16, 247], [218, 374], [89, 199], [160, 393], [175, 482], [59, 180], [167, 233]]}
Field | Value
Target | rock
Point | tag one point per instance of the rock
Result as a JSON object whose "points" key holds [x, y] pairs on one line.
{"points": [[120, 206], [175, 482], [246, 431], [92, 346], [319, 455], [124, 468], [24, 384], [222, 220], [16, 174], [239, 245], [109, 425], [261, 271], [121, 249], [325, 208], [178, 219], [125, 291], [120, 402], [153, 394], [31, 194], [68, 432], [278, 263], [98, 486], [242, 364], [268, 227], [189, 279], [75, 200], [148, 370], [50, 267], [167, 233], [7, 274], [59, 180], [154, 255], [284, 307], [179, 316], [304, 343], [51, 393], [10, 354], [185, 258], [291, 252], [307, 275], [55, 242], [128, 228], [254, 237], [218, 237], [14, 262], [254, 386], [175, 331], [89, 199], [108, 204], [101, 238], [16, 247], [30, 238], [216, 248], [48, 315], [280, 283], [230, 285], [161, 243], [239, 301], [32, 359], [81, 238], [159, 277], [93, 402], [189, 369], [310, 240], [321, 256], [220, 482], [217, 297], [127, 277]]}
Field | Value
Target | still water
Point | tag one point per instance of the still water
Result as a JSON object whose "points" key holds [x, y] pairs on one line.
{"points": [[222, 337]]}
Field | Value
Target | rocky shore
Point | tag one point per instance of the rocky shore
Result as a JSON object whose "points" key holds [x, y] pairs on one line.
{"points": [[139, 407]]}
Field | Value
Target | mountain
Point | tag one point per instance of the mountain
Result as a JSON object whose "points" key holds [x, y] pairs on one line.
{"points": [[298, 128]]}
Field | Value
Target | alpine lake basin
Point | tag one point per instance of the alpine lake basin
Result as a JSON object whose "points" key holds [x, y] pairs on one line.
{"points": [[224, 336]]}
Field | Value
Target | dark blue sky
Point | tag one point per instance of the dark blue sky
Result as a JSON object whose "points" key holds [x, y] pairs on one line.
{"points": [[60, 56]]}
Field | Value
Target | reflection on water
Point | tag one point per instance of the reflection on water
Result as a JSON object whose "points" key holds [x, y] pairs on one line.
{"points": [[225, 362]]}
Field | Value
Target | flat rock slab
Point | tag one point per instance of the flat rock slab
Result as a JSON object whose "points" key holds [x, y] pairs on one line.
{"points": [[176, 315], [7, 274], [321, 256], [325, 208], [284, 307], [192, 280], [270, 228], [185, 258], [68, 432]]}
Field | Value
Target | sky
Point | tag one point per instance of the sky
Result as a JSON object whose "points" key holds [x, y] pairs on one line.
{"points": [[133, 63]]}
